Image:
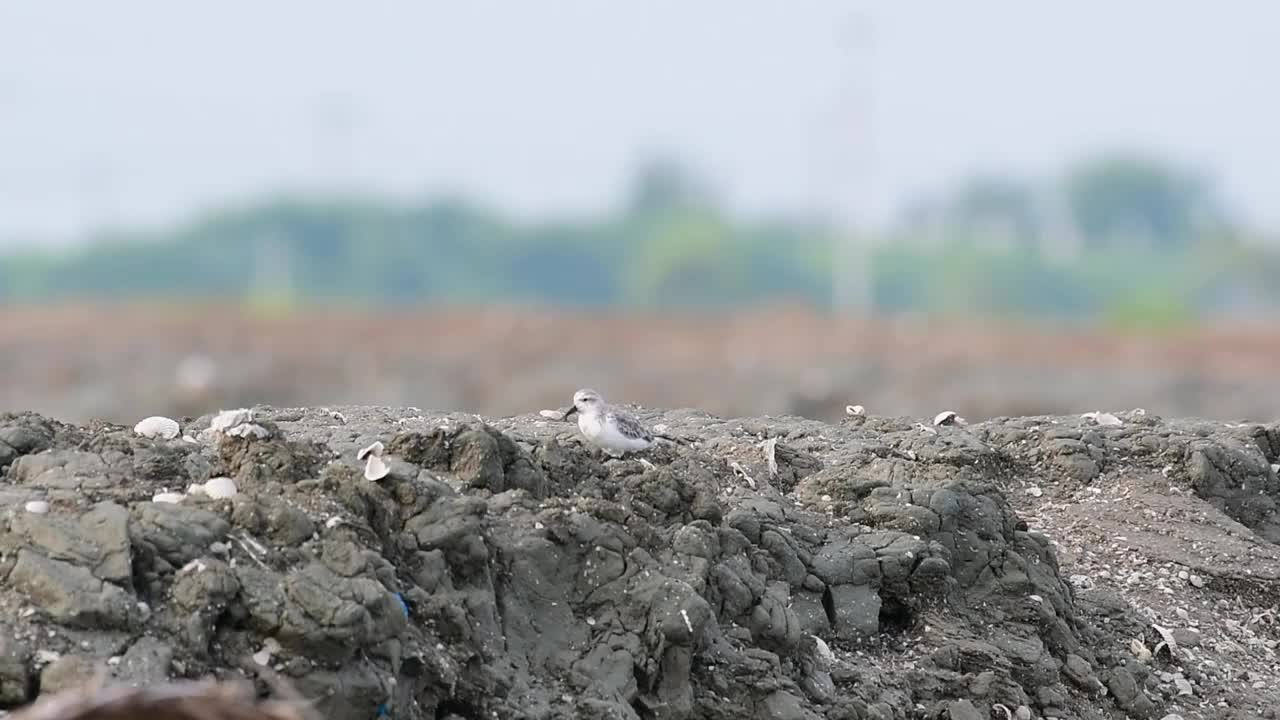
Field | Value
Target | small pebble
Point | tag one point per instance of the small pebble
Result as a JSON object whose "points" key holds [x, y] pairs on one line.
{"points": [[37, 507], [1082, 582], [1196, 581]]}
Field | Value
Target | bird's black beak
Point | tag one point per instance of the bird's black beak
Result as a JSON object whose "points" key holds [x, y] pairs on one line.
{"points": [[572, 409]]}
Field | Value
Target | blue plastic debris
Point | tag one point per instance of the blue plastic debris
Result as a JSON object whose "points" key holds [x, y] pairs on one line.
{"points": [[383, 711], [403, 605]]}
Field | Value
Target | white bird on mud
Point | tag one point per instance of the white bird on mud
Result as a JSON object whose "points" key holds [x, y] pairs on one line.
{"points": [[613, 430]]}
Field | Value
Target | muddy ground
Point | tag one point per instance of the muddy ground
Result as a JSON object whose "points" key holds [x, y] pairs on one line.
{"points": [[768, 567], [81, 362]]}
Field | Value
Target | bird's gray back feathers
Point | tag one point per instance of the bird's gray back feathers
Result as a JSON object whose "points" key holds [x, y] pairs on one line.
{"points": [[629, 426]]}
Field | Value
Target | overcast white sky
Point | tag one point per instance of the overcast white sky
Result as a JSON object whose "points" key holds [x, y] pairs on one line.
{"points": [[145, 111]]}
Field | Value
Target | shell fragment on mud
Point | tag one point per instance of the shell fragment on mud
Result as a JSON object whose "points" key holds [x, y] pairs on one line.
{"points": [[1102, 418], [374, 450], [158, 426], [168, 497], [236, 423], [947, 417], [374, 467], [37, 507]]}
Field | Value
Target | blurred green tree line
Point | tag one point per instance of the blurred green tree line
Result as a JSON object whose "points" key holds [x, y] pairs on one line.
{"points": [[1121, 237]]}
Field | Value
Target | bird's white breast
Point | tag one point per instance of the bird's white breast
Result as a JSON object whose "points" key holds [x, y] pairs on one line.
{"points": [[591, 424], [597, 428]]}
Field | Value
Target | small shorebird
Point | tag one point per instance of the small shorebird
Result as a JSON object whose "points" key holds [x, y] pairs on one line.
{"points": [[613, 430]]}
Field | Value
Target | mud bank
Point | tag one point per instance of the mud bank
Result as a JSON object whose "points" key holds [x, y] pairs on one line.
{"points": [[774, 567]]}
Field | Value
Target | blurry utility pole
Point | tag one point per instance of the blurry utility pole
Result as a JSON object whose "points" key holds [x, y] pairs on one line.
{"points": [[852, 278]]}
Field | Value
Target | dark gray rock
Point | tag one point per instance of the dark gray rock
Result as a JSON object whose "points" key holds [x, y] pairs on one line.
{"points": [[1129, 696], [145, 663], [963, 710], [97, 539], [507, 569], [70, 594], [15, 681], [68, 672]]}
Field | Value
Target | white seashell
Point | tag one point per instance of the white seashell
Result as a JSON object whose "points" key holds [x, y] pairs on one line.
{"points": [[44, 657], [195, 489], [168, 497], [1139, 650], [37, 507], [375, 450], [249, 430], [220, 487], [157, 426], [228, 419], [1102, 418], [551, 414], [854, 410], [824, 650], [946, 417], [1034, 491], [375, 468]]}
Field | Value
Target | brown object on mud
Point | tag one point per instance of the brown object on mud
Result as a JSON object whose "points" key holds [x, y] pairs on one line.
{"points": [[169, 701]]}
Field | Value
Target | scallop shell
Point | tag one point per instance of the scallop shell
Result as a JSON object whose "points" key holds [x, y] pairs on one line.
{"points": [[220, 487], [158, 426]]}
